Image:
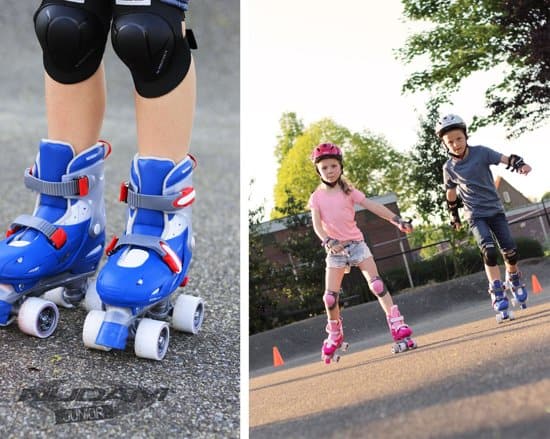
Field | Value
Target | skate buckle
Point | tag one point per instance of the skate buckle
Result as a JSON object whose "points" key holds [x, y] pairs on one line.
{"points": [[109, 250], [170, 258], [186, 198], [83, 186], [123, 195], [58, 238]]}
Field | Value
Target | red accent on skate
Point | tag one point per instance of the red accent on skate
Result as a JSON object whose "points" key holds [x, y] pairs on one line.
{"points": [[171, 259], [108, 146], [83, 186], [11, 231], [184, 281], [123, 195], [109, 249], [58, 238], [195, 163], [186, 198]]}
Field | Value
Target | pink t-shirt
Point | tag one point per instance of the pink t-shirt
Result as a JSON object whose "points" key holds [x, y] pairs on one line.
{"points": [[338, 213]]}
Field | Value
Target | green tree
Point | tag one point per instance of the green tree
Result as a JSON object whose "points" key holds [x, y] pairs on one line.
{"points": [[425, 170], [369, 162], [477, 35], [291, 128]]}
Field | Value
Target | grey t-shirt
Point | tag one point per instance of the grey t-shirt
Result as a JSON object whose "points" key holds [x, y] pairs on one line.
{"points": [[474, 181]]}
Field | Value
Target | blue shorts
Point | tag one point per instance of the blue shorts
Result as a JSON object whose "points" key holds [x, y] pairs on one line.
{"points": [[353, 254], [492, 230]]}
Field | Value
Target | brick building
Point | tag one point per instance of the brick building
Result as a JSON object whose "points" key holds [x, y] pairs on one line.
{"points": [[383, 238]]}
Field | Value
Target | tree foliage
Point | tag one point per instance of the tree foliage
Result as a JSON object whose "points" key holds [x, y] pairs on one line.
{"points": [[425, 170], [371, 164], [477, 35]]}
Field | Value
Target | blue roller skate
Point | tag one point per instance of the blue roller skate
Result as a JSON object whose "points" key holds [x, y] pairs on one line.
{"points": [[146, 266], [48, 256], [518, 289], [500, 301]]}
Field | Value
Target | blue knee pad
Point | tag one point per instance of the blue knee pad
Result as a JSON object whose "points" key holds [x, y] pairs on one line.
{"points": [[331, 299], [150, 41], [72, 37]]}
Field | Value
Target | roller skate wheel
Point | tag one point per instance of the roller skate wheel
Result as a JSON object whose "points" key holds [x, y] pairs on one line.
{"points": [[188, 314], [38, 317], [411, 344], [152, 339], [511, 315], [345, 346], [90, 330], [523, 306], [56, 296], [336, 358], [92, 301]]}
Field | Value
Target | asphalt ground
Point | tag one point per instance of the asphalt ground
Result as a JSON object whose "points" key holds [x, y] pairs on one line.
{"points": [[56, 387], [469, 377]]}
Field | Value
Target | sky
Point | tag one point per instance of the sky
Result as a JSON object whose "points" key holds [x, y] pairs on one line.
{"points": [[336, 59]]}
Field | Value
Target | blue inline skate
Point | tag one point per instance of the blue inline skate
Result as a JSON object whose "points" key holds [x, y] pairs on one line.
{"points": [[47, 257], [518, 289], [500, 301], [147, 264]]}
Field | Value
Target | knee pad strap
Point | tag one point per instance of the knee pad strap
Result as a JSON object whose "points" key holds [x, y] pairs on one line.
{"points": [[490, 255], [510, 256], [331, 299], [72, 40], [153, 47], [377, 287]]}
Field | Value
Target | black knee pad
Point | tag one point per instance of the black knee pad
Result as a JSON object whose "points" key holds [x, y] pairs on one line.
{"points": [[72, 38], [151, 43], [490, 255], [510, 256]]}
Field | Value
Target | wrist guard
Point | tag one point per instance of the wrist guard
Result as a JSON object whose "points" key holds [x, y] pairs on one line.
{"points": [[452, 207], [515, 162]]}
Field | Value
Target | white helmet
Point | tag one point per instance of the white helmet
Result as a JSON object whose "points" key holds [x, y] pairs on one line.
{"points": [[448, 123]]}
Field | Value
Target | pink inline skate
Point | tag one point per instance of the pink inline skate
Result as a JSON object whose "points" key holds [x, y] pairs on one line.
{"points": [[400, 332], [334, 341]]}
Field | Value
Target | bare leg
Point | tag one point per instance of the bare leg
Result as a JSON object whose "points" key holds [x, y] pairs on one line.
{"points": [[164, 124], [333, 282], [75, 111], [493, 273], [370, 271]]}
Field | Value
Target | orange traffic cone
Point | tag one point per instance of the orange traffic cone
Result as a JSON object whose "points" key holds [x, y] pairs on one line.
{"points": [[277, 359], [536, 284]]}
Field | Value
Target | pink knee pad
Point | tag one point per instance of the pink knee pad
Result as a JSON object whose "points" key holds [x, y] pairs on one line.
{"points": [[331, 299], [377, 286]]}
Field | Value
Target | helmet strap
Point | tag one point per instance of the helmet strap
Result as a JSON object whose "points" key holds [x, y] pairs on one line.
{"points": [[457, 156]]}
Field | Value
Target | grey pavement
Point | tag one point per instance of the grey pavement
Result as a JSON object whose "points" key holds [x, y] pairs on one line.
{"points": [[365, 325], [194, 392]]}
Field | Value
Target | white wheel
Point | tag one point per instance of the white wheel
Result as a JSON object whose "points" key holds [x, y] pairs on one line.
{"points": [[38, 317], [499, 318], [511, 315], [152, 338], [92, 301], [91, 328], [188, 314], [56, 296]]}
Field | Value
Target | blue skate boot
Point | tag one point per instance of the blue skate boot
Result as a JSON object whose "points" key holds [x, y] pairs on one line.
{"points": [[54, 251], [148, 263], [500, 301], [518, 289]]}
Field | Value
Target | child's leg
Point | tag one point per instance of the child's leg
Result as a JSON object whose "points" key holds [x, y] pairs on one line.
{"points": [[396, 322], [509, 253], [75, 111], [334, 328]]}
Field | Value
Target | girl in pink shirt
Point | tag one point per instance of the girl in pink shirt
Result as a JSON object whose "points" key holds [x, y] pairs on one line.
{"points": [[333, 215]]}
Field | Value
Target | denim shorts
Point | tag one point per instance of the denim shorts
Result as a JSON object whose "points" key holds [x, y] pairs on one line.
{"points": [[353, 254], [492, 230]]}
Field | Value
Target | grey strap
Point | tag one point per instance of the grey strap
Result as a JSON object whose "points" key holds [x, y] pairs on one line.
{"points": [[56, 189], [162, 203], [35, 223]]}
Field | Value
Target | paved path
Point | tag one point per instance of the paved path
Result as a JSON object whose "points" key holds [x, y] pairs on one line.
{"points": [[469, 378]]}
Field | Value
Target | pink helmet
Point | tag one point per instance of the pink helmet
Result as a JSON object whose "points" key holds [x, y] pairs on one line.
{"points": [[325, 151]]}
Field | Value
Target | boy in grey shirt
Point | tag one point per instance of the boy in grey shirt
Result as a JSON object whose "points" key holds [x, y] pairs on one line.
{"points": [[469, 183]]}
